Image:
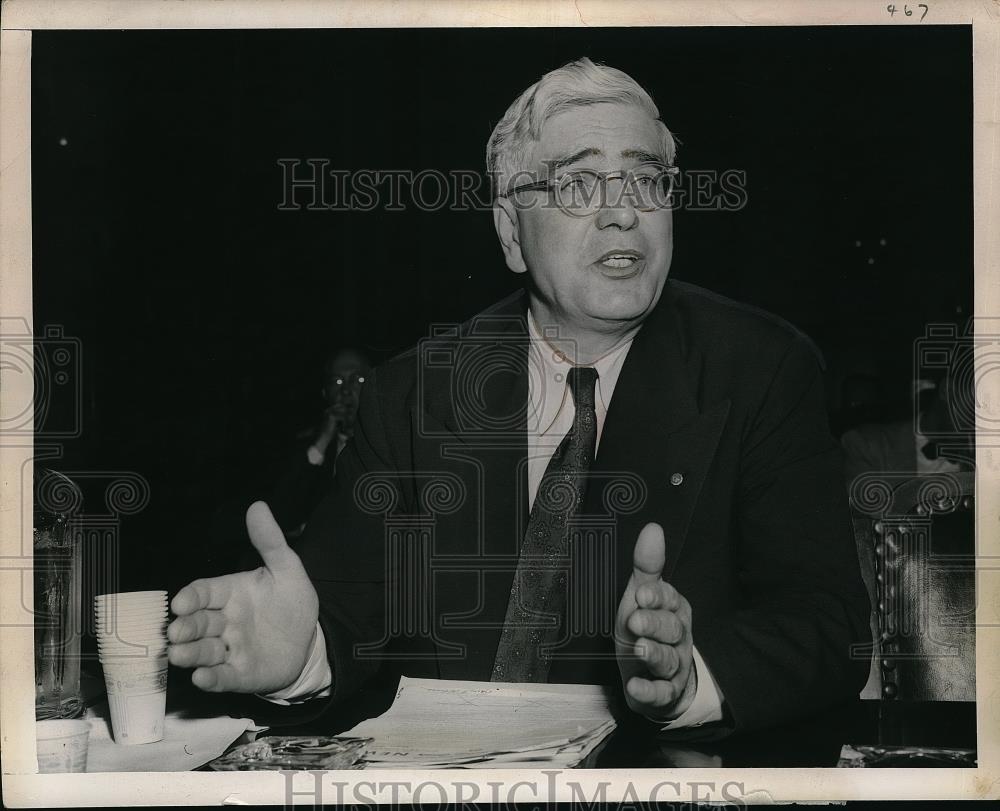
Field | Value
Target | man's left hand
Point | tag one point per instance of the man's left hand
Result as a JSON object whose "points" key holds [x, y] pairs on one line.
{"points": [[653, 635]]}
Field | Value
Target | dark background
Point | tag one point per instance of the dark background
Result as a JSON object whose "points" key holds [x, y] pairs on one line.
{"points": [[203, 312]]}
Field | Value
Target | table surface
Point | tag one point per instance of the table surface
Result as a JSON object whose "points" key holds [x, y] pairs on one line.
{"points": [[812, 742], [815, 741]]}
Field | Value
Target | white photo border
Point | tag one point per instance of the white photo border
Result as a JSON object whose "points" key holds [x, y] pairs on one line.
{"points": [[22, 787]]}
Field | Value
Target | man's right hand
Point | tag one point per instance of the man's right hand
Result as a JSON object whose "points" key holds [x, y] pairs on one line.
{"points": [[248, 632], [328, 429]]}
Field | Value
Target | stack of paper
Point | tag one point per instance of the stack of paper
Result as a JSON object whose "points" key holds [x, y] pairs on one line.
{"points": [[435, 724]]}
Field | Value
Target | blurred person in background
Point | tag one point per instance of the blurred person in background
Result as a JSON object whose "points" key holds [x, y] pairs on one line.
{"points": [[309, 472]]}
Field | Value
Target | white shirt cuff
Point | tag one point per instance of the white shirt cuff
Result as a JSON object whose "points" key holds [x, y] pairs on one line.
{"points": [[314, 681], [315, 455], [707, 704]]}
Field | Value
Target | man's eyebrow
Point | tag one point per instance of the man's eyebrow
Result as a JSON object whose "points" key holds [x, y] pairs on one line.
{"points": [[642, 156], [559, 163]]}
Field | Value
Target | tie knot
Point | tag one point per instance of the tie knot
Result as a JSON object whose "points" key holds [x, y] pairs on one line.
{"points": [[582, 380]]}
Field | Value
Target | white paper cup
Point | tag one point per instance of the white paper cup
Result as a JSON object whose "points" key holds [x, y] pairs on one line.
{"points": [[123, 617], [137, 698], [126, 608], [155, 631], [130, 605], [124, 596], [121, 613], [131, 598], [122, 610], [117, 629], [126, 618], [129, 610], [62, 746], [138, 649], [113, 628], [147, 630], [134, 648], [131, 644], [131, 616], [130, 641]]}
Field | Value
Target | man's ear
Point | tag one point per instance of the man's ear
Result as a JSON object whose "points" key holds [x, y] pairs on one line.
{"points": [[509, 233]]}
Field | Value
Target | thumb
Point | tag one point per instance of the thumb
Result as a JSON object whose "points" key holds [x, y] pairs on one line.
{"points": [[267, 537], [649, 556]]}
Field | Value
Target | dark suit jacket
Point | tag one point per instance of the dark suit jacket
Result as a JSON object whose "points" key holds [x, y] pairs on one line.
{"points": [[758, 531], [300, 487]]}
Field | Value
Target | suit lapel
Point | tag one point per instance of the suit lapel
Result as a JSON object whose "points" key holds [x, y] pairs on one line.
{"points": [[656, 434], [478, 410]]}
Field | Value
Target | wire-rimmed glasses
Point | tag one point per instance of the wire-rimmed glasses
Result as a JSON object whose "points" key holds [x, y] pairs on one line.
{"points": [[582, 192]]}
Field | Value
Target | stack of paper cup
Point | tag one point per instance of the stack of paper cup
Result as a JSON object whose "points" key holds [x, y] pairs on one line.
{"points": [[132, 647]]}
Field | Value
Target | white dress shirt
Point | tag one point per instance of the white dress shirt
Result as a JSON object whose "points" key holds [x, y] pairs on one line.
{"points": [[550, 416]]}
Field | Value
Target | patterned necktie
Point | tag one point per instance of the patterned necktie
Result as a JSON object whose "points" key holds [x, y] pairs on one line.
{"points": [[538, 595]]}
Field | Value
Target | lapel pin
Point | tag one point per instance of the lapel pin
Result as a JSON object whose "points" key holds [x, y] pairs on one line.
{"points": [[676, 479]]}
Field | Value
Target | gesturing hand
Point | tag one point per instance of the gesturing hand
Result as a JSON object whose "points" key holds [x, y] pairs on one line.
{"points": [[653, 635], [248, 632]]}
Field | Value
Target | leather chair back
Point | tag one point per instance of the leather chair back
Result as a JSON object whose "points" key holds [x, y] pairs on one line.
{"points": [[916, 544]]}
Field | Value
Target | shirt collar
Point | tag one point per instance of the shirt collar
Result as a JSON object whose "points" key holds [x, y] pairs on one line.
{"points": [[547, 369]]}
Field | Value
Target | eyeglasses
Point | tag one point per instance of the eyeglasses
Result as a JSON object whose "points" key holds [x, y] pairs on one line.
{"points": [[348, 382], [582, 192]]}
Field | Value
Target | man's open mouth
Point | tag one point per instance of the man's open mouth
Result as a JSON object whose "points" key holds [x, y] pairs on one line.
{"points": [[620, 260]]}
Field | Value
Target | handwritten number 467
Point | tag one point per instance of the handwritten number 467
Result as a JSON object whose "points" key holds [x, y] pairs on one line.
{"points": [[907, 11]]}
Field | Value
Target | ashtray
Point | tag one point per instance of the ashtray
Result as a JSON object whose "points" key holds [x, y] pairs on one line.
{"points": [[293, 752], [914, 757]]}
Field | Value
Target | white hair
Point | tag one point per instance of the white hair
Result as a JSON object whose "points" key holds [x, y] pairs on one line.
{"points": [[576, 84]]}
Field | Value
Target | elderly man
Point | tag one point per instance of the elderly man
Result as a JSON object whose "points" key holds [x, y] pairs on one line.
{"points": [[608, 477]]}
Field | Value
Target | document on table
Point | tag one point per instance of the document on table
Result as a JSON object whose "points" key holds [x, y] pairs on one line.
{"points": [[437, 724]]}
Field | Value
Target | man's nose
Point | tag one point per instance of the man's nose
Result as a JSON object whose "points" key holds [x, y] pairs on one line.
{"points": [[617, 208]]}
